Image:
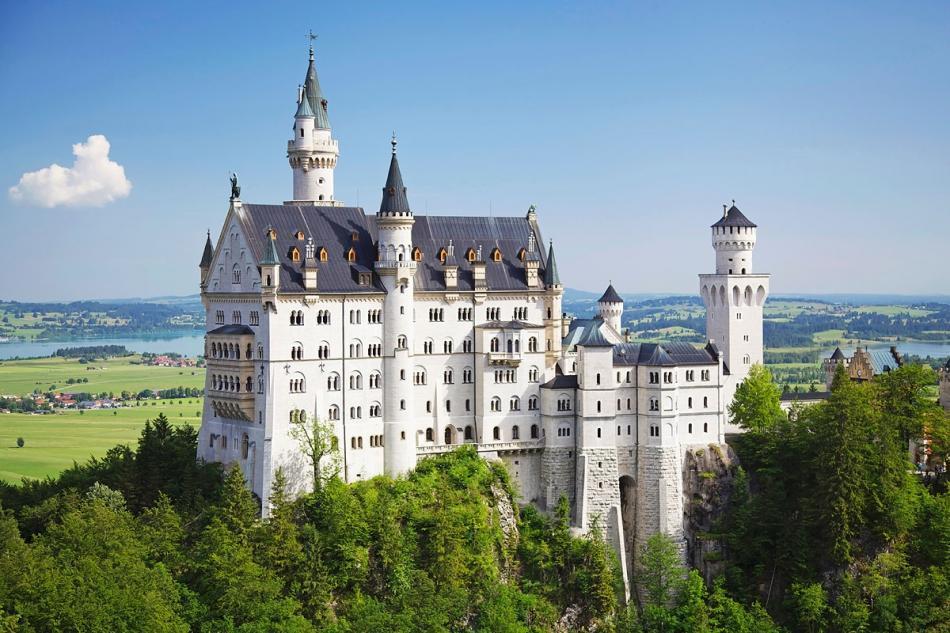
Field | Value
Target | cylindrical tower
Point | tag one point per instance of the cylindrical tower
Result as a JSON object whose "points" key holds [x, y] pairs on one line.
{"points": [[396, 269], [312, 152], [610, 308], [733, 237]]}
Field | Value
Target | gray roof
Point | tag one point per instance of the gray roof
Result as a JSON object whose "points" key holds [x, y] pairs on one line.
{"points": [[232, 330], [662, 354], [610, 296], [561, 381], [330, 227], [882, 361], [208, 253], [433, 232], [593, 337], [394, 193], [551, 277], [734, 217], [314, 95]]}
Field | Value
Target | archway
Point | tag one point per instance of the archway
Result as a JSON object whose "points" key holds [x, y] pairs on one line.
{"points": [[628, 516]]}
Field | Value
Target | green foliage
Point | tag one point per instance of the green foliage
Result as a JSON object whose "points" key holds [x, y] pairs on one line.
{"points": [[756, 404], [830, 527], [443, 549]]}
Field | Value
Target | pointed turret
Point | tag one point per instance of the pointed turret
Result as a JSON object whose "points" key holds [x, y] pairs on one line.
{"points": [[304, 110], [551, 277], [208, 253], [206, 258], [610, 296], [313, 94], [271, 258], [610, 308], [394, 201]]}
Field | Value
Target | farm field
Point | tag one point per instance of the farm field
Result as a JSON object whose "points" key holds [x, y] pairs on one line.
{"points": [[54, 441], [21, 377]]}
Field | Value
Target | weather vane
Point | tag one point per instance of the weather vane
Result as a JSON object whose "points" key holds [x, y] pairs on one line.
{"points": [[310, 38]]}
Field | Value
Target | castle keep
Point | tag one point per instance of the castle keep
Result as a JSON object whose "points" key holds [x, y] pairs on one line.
{"points": [[413, 334]]}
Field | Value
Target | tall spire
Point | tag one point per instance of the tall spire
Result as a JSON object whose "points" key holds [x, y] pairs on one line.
{"points": [[394, 193], [271, 257], [311, 89], [551, 277]]}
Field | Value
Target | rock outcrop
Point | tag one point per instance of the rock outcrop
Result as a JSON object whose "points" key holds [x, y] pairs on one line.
{"points": [[708, 478]]}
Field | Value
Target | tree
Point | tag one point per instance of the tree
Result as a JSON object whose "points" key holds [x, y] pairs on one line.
{"points": [[20, 442], [756, 405], [319, 445], [661, 570]]}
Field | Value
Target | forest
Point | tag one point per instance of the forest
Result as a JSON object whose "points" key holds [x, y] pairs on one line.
{"points": [[828, 528]]}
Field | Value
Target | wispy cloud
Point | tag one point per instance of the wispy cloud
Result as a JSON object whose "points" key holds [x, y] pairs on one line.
{"points": [[92, 181]]}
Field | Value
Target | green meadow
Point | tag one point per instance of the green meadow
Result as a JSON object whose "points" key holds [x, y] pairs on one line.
{"points": [[52, 442], [21, 377]]}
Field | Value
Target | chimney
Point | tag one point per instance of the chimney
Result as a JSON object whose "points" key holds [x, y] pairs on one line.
{"points": [[478, 271]]}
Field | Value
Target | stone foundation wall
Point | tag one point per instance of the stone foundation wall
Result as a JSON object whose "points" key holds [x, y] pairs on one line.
{"points": [[659, 493], [599, 483], [557, 476], [525, 471]]}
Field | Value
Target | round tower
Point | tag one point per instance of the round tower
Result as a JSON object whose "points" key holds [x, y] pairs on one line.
{"points": [[312, 152], [733, 238], [396, 270], [610, 308]]}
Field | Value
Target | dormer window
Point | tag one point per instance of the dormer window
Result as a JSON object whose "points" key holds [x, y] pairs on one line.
{"points": [[417, 254], [351, 255], [522, 253], [496, 255], [365, 279], [323, 254], [299, 235], [295, 254], [470, 255], [442, 255], [355, 236]]}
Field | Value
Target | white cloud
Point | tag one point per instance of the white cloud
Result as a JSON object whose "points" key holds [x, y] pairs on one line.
{"points": [[92, 181]]}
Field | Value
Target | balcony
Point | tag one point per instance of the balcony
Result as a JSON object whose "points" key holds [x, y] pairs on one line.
{"points": [[491, 447], [504, 359]]}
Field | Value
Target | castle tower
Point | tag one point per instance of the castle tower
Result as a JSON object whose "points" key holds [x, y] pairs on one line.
{"points": [[312, 152], [610, 308], [830, 366], [734, 298], [396, 270]]}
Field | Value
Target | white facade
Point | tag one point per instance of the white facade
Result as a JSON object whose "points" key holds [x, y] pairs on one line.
{"points": [[413, 335]]}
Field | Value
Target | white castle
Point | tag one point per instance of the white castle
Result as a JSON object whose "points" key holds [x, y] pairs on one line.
{"points": [[415, 334]]}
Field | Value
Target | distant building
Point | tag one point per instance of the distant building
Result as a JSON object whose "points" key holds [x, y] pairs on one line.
{"points": [[863, 365]]}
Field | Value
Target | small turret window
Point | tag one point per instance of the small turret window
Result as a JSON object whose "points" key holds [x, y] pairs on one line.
{"points": [[351, 255], [496, 255], [470, 255], [522, 253], [295, 254], [324, 256], [299, 235], [417, 254], [442, 255]]}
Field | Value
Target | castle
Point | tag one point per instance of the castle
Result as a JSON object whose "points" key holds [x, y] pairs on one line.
{"points": [[413, 334]]}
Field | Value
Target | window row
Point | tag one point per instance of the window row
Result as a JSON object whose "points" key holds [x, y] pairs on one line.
{"points": [[355, 381], [221, 382], [229, 350], [223, 443]]}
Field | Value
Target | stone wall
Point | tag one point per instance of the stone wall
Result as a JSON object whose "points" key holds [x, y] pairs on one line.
{"points": [[525, 471], [659, 493], [599, 483], [557, 476]]}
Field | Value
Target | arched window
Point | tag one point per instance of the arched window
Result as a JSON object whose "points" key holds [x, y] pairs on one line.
{"points": [[351, 255], [515, 433], [333, 413], [295, 254], [448, 435], [495, 343], [429, 434], [514, 404], [417, 254], [468, 434], [496, 255], [496, 433], [533, 344], [534, 431], [245, 444], [705, 402]]}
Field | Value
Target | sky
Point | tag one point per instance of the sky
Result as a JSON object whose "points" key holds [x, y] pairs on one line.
{"points": [[628, 125]]}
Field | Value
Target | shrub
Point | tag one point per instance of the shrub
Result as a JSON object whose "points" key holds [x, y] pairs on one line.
{"points": [[20, 442]]}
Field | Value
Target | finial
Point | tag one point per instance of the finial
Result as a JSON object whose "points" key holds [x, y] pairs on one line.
{"points": [[724, 212], [209, 234], [393, 142], [311, 37], [733, 202]]}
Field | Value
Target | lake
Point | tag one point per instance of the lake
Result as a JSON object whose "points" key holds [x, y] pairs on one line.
{"points": [[935, 349], [191, 344]]}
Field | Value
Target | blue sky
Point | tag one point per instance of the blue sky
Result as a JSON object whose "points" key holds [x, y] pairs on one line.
{"points": [[627, 124]]}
